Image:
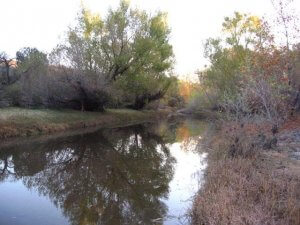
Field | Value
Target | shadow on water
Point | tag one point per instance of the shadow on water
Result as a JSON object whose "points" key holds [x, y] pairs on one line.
{"points": [[112, 176]]}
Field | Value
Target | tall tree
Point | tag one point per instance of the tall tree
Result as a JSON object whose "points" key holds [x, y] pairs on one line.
{"points": [[288, 21], [242, 33], [128, 48]]}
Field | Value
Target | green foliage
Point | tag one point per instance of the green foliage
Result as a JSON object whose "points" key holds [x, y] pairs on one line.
{"points": [[249, 74], [202, 99], [31, 59], [129, 49], [13, 94], [124, 59], [172, 96], [228, 55], [242, 30]]}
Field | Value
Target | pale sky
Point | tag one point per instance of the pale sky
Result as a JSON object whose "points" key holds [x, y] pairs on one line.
{"points": [[42, 23]]}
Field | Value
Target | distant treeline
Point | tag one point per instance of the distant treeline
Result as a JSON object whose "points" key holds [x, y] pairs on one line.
{"points": [[123, 60]]}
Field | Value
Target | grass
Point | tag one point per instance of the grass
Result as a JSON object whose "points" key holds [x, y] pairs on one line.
{"points": [[238, 192], [248, 187], [20, 122]]}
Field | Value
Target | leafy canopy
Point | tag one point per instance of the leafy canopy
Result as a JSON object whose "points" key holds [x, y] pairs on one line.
{"points": [[242, 33], [129, 48]]}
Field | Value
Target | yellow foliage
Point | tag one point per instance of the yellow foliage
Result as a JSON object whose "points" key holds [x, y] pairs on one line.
{"points": [[186, 89]]}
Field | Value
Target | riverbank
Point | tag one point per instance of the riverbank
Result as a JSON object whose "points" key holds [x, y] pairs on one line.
{"points": [[253, 176], [19, 122]]}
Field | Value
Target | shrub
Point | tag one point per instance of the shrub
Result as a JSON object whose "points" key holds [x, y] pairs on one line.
{"points": [[13, 94]]}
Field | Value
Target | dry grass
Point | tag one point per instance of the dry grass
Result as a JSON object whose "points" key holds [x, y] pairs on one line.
{"points": [[292, 123], [236, 192], [20, 122], [245, 189]]}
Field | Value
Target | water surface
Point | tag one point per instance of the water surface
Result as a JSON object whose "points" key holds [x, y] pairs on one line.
{"points": [[142, 174]]}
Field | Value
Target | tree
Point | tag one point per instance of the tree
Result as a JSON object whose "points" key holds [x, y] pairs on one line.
{"points": [[71, 89], [7, 62], [248, 70], [32, 71], [243, 34], [288, 21], [30, 59], [129, 48]]}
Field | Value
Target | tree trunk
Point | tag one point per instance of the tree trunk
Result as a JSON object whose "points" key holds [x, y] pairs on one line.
{"points": [[82, 106], [142, 100], [297, 102], [7, 72]]}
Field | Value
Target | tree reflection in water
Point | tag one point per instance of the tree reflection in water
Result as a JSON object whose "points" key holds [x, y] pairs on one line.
{"points": [[115, 176]]}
